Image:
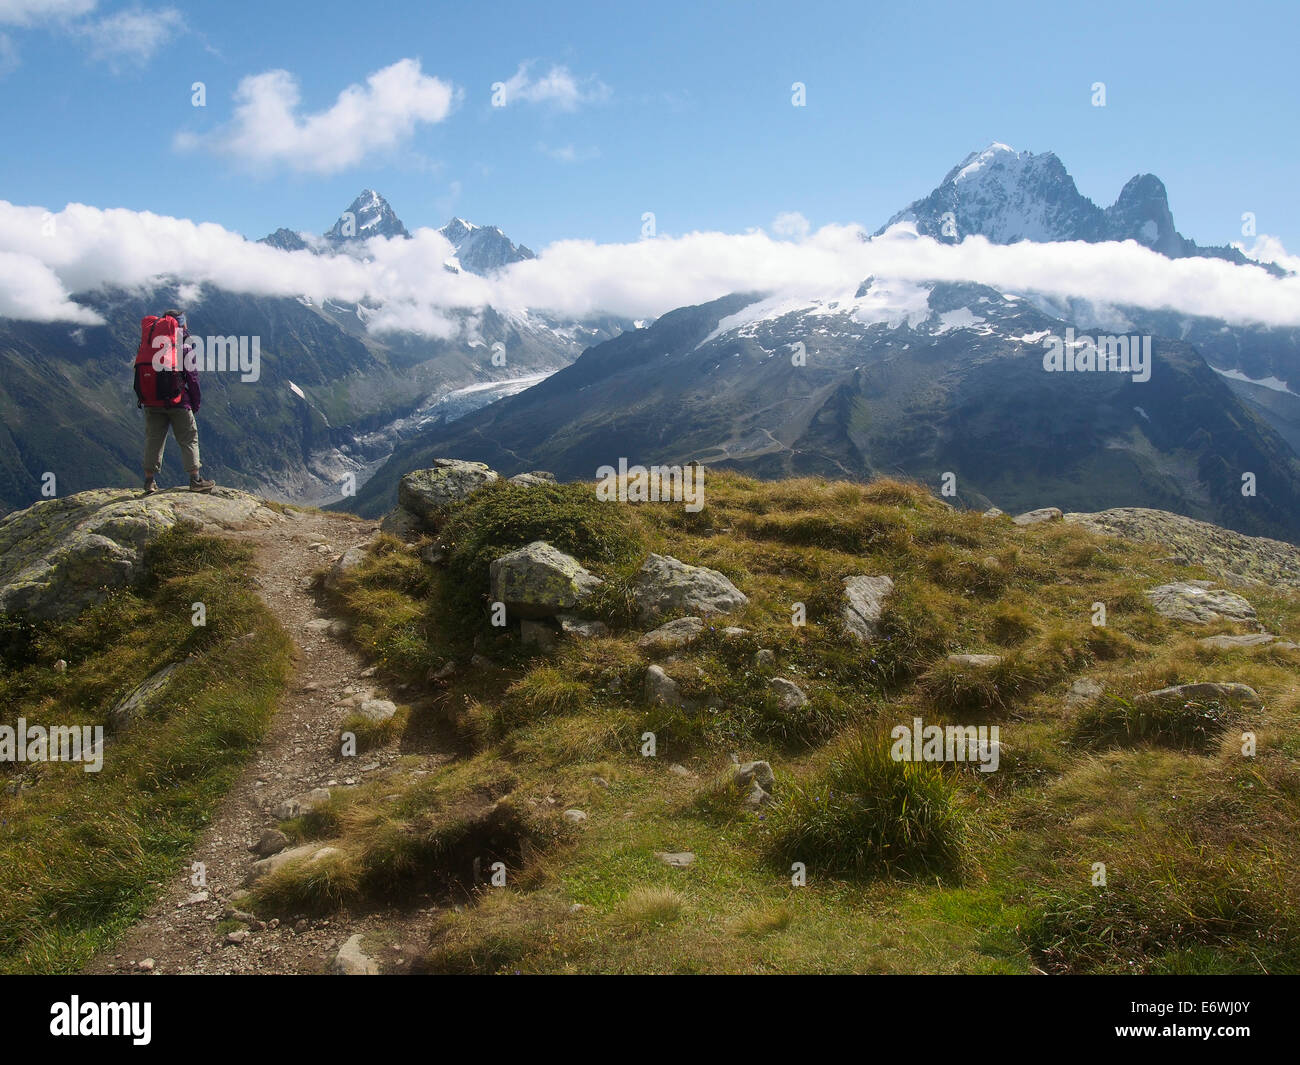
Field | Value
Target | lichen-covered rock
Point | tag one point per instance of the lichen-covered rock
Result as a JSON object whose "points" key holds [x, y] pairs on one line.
{"points": [[60, 556], [666, 585], [1199, 602], [864, 603], [538, 581], [430, 493]]}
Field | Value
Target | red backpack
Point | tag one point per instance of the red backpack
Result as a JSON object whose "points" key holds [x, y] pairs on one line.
{"points": [[158, 379]]}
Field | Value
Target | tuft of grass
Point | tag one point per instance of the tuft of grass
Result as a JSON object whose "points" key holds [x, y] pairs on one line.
{"points": [[651, 906], [1116, 721], [868, 815]]}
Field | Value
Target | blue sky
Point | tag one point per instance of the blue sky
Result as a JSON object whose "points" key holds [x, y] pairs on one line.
{"points": [[682, 109]]}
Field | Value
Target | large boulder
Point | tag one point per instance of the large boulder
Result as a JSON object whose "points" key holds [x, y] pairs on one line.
{"points": [[666, 585], [864, 603], [1199, 602], [538, 581], [60, 556], [430, 493]]}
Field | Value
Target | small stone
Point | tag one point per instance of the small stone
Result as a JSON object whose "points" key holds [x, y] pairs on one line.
{"points": [[236, 937], [272, 841], [677, 859], [755, 772], [352, 961], [764, 657], [301, 804], [146, 965], [61, 666], [369, 671], [574, 817], [679, 770], [378, 710]]}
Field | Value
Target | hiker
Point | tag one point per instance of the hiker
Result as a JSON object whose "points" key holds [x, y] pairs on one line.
{"points": [[167, 388]]}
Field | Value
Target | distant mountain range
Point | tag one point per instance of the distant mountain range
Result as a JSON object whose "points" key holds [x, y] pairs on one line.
{"points": [[933, 378]]}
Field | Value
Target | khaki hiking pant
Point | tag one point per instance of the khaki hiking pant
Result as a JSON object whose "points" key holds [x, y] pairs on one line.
{"points": [[183, 427]]}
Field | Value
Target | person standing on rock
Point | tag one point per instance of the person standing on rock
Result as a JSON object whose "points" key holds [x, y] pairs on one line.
{"points": [[167, 388]]}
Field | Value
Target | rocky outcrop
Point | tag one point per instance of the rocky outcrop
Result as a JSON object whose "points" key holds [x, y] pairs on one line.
{"points": [[666, 585], [60, 556], [1199, 602], [538, 581], [1231, 556], [429, 494]]}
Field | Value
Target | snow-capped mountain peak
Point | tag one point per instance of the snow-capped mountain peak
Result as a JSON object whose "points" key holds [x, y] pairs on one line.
{"points": [[481, 249], [368, 216]]}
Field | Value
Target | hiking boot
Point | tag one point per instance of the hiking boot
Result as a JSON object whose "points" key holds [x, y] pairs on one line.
{"points": [[150, 486], [198, 484]]}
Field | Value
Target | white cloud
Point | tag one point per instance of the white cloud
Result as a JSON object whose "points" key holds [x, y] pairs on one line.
{"points": [[268, 131], [132, 37], [33, 12], [557, 87], [87, 248]]}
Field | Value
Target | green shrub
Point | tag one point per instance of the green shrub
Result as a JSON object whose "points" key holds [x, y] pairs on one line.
{"points": [[503, 517]]}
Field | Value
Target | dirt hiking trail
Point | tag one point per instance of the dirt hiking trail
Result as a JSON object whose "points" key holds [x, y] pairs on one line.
{"points": [[179, 933]]}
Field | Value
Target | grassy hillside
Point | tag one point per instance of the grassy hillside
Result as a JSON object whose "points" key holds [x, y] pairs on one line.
{"points": [[82, 854], [910, 867]]}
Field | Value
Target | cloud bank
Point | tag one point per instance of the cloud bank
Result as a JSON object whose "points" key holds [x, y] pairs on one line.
{"points": [[45, 257]]}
